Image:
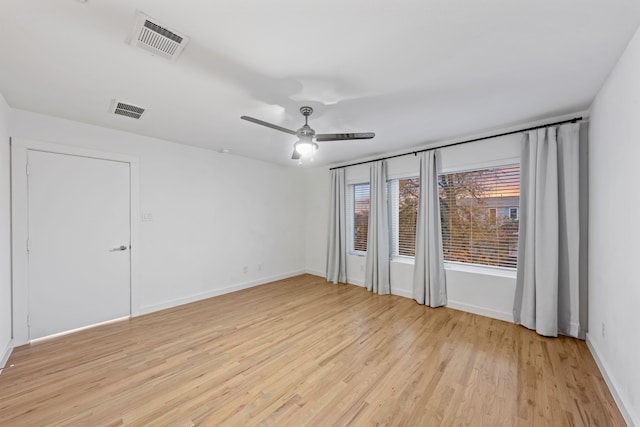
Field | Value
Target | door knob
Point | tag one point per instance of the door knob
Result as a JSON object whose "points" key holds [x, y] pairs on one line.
{"points": [[120, 248]]}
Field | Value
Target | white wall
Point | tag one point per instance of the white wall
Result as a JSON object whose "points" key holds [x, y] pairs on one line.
{"points": [[213, 214], [5, 234], [614, 231], [489, 292]]}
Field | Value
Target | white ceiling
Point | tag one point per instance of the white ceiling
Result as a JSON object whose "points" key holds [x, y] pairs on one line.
{"points": [[410, 71]]}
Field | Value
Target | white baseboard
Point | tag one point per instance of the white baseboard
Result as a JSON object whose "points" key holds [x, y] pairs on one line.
{"points": [[350, 281], [631, 419], [81, 328], [145, 309], [399, 292], [507, 317], [356, 282], [5, 355], [314, 272], [402, 293]]}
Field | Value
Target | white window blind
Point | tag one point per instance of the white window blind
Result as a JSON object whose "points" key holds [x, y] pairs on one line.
{"points": [[479, 214], [403, 204], [358, 210]]}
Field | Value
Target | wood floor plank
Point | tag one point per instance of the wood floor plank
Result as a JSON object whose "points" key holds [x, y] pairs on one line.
{"points": [[302, 352]]}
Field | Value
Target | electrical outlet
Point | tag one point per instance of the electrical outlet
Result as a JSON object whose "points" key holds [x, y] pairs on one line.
{"points": [[362, 269], [602, 329], [245, 269], [260, 267]]}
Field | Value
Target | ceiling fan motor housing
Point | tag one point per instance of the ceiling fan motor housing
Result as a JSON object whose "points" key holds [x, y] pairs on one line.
{"points": [[306, 132]]}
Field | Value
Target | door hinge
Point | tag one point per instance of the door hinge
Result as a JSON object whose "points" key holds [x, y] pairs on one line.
{"points": [[28, 245], [28, 320], [27, 168]]}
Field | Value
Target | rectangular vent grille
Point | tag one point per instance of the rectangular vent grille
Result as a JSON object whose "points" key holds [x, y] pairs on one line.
{"points": [[128, 110], [162, 31], [157, 38]]}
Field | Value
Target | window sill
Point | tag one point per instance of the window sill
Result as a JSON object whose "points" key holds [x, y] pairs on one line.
{"points": [[480, 269], [359, 254], [403, 260]]}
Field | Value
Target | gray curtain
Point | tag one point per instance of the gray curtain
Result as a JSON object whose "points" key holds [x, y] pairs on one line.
{"points": [[547, 295], [429, 286], [377, 264], [337, 243]]}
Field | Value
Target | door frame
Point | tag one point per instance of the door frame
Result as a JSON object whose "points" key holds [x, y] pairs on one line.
{"points": [[19, 225]]}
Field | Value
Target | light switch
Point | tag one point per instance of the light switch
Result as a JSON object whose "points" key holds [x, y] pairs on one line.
{"points": [[146, 216]]}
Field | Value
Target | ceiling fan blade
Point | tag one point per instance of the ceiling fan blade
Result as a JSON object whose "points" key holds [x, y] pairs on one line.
{"points": [[269, 125], [344, 136], [295, 155]]}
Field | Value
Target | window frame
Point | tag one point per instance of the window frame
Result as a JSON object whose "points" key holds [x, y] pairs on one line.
{"points": [[393, 189], [517, 216], [475, 267]]}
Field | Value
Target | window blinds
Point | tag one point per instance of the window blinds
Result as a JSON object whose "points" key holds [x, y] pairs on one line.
{"points": [[479, 214], [403, 203], [360, 223]]}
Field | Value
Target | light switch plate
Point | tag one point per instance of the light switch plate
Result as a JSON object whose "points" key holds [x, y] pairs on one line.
{"points": [[146, 216]]}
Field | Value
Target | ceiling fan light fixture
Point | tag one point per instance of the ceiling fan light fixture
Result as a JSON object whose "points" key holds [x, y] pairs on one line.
{"points": [[305, 148]]}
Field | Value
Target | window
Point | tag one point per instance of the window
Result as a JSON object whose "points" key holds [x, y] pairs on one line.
{"points": [[359, 225], [479, 224], [403, 201]]}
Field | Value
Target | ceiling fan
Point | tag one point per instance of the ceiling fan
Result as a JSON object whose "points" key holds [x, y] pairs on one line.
{"points": [[306, 146]]}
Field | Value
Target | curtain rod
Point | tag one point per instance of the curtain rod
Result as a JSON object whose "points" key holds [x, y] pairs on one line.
{"points": [[574, 120]]}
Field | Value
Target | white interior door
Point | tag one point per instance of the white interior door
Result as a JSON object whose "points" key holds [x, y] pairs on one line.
{"points": [[79, 237]]}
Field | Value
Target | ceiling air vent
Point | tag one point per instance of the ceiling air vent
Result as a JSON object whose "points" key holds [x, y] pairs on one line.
{"points": [[127, 110], [157, 38]]}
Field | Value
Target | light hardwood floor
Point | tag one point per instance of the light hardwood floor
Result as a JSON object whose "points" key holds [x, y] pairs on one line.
{"points": [[304, 352]]}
